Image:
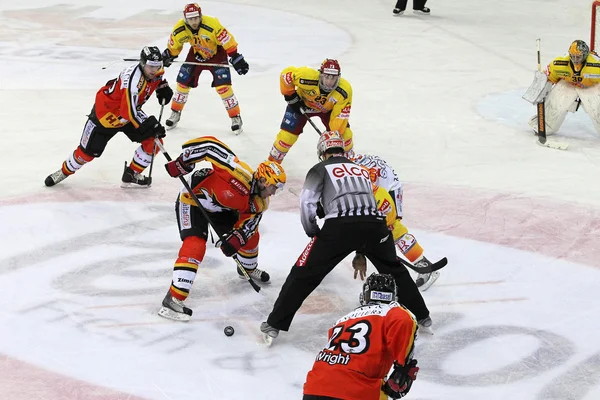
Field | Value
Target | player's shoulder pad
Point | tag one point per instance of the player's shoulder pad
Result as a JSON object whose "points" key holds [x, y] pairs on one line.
{"points": [[179, 27], [209, 23], [344, 88], [560, 61]]}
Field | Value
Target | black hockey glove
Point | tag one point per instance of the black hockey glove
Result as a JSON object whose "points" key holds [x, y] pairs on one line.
{"points": [[400, 381], [178, 167], [164, 93], [238, 62], [232, 242], [167, 58], [151, 128], [295, 102]]}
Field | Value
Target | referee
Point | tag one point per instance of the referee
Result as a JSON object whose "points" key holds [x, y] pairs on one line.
{"points": [[342, 192]]}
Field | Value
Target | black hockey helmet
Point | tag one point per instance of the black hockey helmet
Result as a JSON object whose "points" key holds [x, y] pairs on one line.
{"points": [[150, 55], [378, 288]]}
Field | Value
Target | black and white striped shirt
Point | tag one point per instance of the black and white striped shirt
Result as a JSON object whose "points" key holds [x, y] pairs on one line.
{"points": [[344, 189]]}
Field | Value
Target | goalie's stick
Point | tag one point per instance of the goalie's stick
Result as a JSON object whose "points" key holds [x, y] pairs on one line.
{"points": [[174, 62], [541, 115], [206, 216], [162, 107]]}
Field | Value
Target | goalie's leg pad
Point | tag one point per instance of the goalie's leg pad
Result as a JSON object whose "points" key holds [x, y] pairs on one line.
{"points": [[590, 100], [186, 266], [556, 105], [282, 144]]}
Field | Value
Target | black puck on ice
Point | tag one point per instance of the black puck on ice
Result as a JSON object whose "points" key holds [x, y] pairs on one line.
{"points": [[228, 331]]}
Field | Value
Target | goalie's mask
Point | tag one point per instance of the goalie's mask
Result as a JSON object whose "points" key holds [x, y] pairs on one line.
{"points": [[150, 61], [378, 288], [270, 178], [330, 75], [192, 15], [330, 142], [578, 52]]}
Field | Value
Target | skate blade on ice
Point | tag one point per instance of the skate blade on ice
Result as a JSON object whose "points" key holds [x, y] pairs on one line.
{"points": [[173, 315]]}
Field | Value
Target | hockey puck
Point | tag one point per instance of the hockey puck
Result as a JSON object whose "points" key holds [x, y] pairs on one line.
{"points": [[228, 331]]}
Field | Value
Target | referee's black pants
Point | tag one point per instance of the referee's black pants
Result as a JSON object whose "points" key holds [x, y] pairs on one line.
{"points": [[338, 238]]}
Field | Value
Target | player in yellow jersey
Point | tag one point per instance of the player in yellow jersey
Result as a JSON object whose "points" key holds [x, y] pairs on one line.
{"points": [[388, 193], [309, 93], [571, 80], [211, 43]]}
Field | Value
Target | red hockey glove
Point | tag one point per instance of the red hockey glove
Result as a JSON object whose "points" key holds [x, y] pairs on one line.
{"points": [[232, 242], [178, 167], [400, 381]]}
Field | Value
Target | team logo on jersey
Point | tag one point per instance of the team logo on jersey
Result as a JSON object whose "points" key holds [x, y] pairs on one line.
{"points": [[348, 170]]}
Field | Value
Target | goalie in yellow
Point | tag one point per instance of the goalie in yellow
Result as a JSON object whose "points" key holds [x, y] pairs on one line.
{"points": [[568, 81], [309, 93], [211, 43]]}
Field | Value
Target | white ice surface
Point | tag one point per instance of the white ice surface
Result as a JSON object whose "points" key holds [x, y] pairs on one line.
{"points": [[85, 265]]}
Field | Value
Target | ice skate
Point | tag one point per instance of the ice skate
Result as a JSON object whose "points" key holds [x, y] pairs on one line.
{"points": [[269, 333], [172, 121], [424, 281], [132, 179], [397, 12], [422, 11], [425, 325], [257, 274], [236, 125], [55, 178], [174, 309]]}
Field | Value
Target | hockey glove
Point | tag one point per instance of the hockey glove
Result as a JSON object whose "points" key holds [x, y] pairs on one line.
{"points": [[167, 58], [295, 102], [238, 62], [400, 381], [151, 128], [164, 93], [178, 167], [232, 242]]}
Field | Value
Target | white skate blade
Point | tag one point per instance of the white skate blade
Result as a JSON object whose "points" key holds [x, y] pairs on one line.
{"points": [[434, 276], [128, 185], [238, 131], [175, 316], [267, 339], [425, 330]]}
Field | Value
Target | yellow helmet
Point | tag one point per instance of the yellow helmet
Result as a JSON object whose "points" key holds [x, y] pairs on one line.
{"points": [[578, 52], [273, 173]]}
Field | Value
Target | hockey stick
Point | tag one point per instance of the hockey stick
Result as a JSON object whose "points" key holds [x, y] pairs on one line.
{"points": [[425, 270], [541, 115], [206, 216], [303, 112], [162, 107], [174, 62]]}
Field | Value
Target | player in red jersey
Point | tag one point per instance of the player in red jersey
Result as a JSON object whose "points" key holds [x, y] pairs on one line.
{"points": [[363, 346], [118, 108]]}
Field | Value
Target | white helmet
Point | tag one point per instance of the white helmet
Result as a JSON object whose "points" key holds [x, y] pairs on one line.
{"points": [[329, 140]]}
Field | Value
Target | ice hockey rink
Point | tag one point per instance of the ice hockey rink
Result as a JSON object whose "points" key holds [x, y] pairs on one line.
{"points": [[84, 265]]}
